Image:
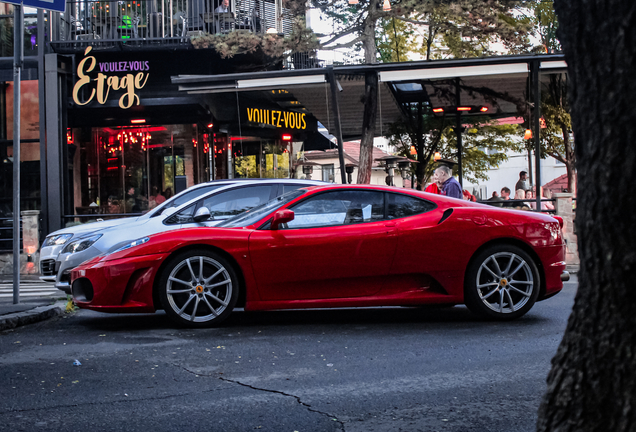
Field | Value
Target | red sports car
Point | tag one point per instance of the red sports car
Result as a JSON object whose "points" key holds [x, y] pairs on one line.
{"points": [[335, 246]]}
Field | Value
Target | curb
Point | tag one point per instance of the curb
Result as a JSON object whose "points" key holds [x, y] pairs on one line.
{"points": [[37, 314]]}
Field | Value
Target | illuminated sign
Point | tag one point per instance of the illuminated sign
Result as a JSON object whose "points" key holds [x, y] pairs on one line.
{"points": [[135, 78], [278, 119]]}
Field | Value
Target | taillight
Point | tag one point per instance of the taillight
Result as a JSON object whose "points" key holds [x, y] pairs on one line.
{"points": [[560, 219]]}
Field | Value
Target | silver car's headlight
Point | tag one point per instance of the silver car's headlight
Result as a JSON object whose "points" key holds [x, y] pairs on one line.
{"points": [[81, 244], [57, 240], [132, 244]]}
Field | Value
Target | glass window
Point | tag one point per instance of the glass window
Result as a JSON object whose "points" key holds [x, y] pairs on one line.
{"points": [[339, 208], [184, 216], [187, 196], [403, 205], [257, 213], [328, 173], [291, 187], [226, 204]]}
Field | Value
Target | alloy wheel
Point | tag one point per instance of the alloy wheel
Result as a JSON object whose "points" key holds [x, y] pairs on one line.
{"points": [[199, 289], [505, 282]]}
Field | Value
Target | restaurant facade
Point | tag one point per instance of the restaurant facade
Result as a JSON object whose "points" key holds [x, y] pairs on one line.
{"points": [[114, 126]]}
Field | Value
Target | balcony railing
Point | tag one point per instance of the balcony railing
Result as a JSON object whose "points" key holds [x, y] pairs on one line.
{"points": [[159, 23]]}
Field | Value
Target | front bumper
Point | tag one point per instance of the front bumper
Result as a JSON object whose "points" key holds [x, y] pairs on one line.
{"points": [[124, 285], [66, 262]]}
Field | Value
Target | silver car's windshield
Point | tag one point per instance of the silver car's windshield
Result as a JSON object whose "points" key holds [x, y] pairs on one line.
{"points": [[183, 198], [254, 215]]}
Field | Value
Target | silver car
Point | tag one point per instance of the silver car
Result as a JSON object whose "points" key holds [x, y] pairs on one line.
{"points": [[204, 205]]}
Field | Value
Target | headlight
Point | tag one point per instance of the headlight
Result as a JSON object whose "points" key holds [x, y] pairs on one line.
{"points": [[57, 240], [81, 244], [132, 244]]}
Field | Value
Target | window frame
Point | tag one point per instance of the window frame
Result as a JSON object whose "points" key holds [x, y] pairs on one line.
{"points": [[199, 202], [385, 194]]}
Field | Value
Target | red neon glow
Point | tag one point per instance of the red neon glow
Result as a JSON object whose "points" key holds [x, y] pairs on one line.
{"points": [[438, 110], [210, 125], [483, 109], [286, 137], [112, 168], [463, 108], [138, 121], [112, 159], [237, 138]]}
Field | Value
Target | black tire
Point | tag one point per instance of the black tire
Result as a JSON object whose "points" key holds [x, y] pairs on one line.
{"points": [[502, 283], [209, 300]]}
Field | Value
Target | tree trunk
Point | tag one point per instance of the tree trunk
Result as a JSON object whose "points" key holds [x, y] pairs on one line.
{"points": [[593, 377], [368, 127], [370, 101]]}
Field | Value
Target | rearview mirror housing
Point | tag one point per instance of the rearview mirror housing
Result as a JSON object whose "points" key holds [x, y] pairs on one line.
{"points": [[202, 214], [280, 217]]}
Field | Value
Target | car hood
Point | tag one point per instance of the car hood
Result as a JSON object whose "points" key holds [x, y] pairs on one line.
{"points": [[80, 230]]}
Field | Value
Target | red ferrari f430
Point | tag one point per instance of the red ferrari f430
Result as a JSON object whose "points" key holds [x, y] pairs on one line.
{"points": [[335, 246]]}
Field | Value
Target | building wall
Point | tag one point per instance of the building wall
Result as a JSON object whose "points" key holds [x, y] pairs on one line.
{"points": [[508, 173]]}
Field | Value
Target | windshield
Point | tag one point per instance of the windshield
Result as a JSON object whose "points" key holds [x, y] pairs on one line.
{"points": [[257, 213], [186, 196]]}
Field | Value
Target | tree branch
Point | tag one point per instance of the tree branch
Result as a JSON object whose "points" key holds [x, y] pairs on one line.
{"points": [[343, 45]]}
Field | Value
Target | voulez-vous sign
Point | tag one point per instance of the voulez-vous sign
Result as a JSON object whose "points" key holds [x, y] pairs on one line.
{"points": [[102, 78]]}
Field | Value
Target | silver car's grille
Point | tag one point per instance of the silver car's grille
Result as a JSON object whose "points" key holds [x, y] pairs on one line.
{"points": [[47, 267]]}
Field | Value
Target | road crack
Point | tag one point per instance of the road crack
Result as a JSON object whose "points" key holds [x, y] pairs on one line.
{"points": [[282, 393]]}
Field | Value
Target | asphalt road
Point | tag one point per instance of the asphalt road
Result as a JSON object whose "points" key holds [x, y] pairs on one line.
{"points": [[381, 369]]}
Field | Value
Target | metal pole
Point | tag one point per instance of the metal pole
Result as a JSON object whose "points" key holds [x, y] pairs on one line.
{"points": [[536, 84], [18, 23], [458, 131], [336, 114]]}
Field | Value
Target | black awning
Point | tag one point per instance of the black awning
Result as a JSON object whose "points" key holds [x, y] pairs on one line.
{"points": [[317, 141]]}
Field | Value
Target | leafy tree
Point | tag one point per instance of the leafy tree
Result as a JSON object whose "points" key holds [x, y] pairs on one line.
{"points": [[593, 377], [556, 137], [484, 143], [467, 27]]}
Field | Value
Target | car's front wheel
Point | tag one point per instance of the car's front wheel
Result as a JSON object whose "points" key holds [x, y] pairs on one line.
{"points": [[502, 283], [198, 288]]}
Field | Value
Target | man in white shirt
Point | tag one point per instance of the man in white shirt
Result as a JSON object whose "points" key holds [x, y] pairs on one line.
{"points": [[223, 7]]}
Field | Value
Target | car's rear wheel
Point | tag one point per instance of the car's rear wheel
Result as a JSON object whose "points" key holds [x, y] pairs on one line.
{"points": [[198, 288], [502, 283]]}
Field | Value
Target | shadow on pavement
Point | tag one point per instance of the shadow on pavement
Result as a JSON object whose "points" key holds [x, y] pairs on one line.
{"points": [[429, 316]]}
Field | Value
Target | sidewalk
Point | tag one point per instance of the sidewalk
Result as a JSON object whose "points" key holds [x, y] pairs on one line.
{"points": [[38, 301]]}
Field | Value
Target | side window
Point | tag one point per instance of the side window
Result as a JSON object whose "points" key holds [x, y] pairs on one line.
{"points": [[338, 208], [187, 196], [226, 204], [403, 205], [184, 216]]}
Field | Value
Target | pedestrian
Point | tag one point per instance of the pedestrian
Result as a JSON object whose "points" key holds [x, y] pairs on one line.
{"points": [[505, 196], [450, 186], [523, 182], [520, 205], [433, 187], [495, 199], [468, 196]]}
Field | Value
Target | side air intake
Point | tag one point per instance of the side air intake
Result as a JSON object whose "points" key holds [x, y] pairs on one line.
{"points": [[446, 215]]}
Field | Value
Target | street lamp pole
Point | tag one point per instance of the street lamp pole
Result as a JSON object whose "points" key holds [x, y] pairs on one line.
{"points": [[18, 22]]}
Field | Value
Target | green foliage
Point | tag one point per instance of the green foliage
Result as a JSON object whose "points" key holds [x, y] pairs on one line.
{"points": [[555, 137], [485, 145], [395, 40], [300, 39], [545, 23]]}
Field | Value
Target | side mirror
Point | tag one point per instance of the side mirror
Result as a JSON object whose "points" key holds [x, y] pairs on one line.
{"points": [[202, 214], [281, 217]]}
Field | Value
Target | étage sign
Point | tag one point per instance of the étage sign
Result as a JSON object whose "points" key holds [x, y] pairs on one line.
{"points": [[126, 76], [278, 119]]}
